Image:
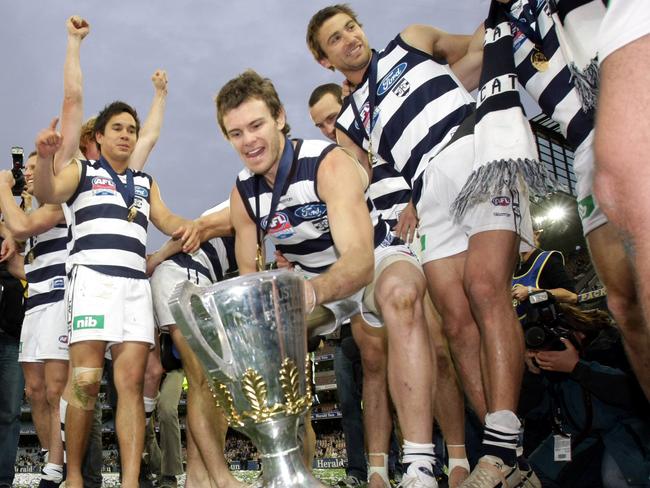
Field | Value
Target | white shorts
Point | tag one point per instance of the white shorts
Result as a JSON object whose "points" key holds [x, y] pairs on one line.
{"points": [[108, 308], [163, 281], [625, 21], [591, 214], [44, 334], [440, 235], [363, 301]]}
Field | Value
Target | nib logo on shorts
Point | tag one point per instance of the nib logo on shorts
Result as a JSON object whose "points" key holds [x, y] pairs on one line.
{"points": [[81, 322]]}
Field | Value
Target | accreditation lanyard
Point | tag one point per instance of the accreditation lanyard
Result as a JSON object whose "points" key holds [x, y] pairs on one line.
{"points": [[281, 178], [372, 94], [127, 191]]}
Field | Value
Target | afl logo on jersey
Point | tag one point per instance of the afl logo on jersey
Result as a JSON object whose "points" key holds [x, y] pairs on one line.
{"points": [[365, 110], [103, 186], [280, 226], [310, 212], [501, 201], [390, 79]]}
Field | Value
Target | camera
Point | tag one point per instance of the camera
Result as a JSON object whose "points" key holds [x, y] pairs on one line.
{"points": [[545, 325], [17, 170]]}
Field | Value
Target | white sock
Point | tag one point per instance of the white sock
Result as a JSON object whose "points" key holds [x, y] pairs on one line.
{"points": [[63, 407], [52, 472], [414, 451], [149, 407]]}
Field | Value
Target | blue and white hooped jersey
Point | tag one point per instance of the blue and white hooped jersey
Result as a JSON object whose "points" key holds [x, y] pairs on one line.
{"points": [[552, 89], [45, 256], [103, 238], [419, 104], [300, 226], [389, 192], [213, 260]]}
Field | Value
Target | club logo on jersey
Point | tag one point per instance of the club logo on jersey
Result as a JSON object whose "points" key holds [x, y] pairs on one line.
{"points": [[103, 186], [322, 225], [82, 322], [365, 110], [57, 284], [280, 226], [501, 201], [389, 80], [402, 88], [63, 339], [141, 191], [310, 212]]}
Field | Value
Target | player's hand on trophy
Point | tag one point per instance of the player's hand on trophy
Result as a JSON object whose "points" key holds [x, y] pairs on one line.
{"points": [[310, 297]]}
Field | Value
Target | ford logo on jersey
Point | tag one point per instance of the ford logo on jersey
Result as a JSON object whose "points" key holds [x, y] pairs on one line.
{"points": [[141, 191], [501, 201], [390, 79], [57, 284], [280, 226], [310, 212]]}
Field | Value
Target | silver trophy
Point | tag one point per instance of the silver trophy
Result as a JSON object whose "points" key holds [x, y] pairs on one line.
{"points": [[249, 334]]}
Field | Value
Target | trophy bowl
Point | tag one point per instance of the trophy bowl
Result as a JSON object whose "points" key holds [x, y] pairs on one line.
{"points": [[249, 334]]}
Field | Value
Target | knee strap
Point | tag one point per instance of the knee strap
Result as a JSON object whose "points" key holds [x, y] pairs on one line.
{"points": [[81, 379]]}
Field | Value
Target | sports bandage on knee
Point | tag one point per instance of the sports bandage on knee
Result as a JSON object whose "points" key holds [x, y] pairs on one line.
{"points": [[81, 379], [382, 470]]}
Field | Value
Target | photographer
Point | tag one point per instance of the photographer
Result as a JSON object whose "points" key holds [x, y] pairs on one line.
{"points": [[600, 417]]}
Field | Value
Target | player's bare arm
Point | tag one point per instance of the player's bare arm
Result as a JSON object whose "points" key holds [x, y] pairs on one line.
{"points": [[50, 187], [171, 224], [72, 109], [464, 53], [150, 130], [246, 234], [341, 185]]}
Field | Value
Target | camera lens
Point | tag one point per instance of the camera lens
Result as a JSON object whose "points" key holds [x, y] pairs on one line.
{"points": [[535, 337]]}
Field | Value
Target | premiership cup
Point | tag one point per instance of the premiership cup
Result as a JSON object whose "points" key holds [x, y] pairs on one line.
{"points": [[249, 334]]}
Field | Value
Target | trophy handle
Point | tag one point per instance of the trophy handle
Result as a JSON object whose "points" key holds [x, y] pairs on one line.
{"points": [[213, 351]]}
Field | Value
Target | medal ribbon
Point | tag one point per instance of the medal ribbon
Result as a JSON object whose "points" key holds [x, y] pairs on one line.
{"points": [[127, 191], [372, 93], [281, 179], [524, 26]]}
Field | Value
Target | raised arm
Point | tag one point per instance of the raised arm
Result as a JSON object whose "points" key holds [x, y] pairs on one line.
{"points": [[150, 130], [72, 110], [171, 224], [464, 53], [20, 224], [245, 234], [48, 187], [341, 186]]}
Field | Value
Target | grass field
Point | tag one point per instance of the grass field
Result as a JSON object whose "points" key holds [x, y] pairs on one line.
{"points": [[327, 476]]}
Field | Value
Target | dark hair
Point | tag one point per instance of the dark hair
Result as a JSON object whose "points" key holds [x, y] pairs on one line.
{"points": [[322, 90], [318, 19], [110, 111], [244, 87], [589, 322]]}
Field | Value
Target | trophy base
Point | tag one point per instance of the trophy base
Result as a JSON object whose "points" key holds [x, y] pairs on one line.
{"points": [[282, 462]]}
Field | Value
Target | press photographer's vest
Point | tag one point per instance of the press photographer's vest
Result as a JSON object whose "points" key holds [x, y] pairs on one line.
{"points": [[531, 277], [104, 239], [300, 226]]}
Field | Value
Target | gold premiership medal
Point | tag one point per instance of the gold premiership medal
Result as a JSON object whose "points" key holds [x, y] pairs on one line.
{"points": [[133, 212], [259, 259], [30, 257], [539, 60]]}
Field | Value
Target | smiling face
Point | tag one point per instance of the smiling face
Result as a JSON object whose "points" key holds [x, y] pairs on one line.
{"points": [[119, 138], [29, 174], [324, 114], [345, 45], [256, 136]]}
